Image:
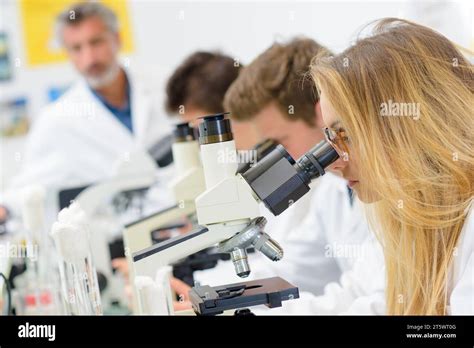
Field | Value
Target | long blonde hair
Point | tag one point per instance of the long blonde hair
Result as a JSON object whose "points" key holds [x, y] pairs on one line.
{"points": [[421, 165]]}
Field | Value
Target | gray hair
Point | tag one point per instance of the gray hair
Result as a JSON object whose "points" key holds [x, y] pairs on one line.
{"points": [[81, 11]]}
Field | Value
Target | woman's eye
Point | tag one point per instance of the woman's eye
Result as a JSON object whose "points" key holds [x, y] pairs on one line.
{"points": [[343, 136]]}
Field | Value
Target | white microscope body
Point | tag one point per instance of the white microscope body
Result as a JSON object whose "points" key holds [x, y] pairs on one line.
{"points": [[225, 208]]}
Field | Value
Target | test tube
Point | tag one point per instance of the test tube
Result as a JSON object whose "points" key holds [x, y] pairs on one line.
{"points": [[79, 284]]}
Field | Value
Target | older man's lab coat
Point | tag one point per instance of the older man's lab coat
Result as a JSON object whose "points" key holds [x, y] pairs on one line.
{"points": [[77, 141]]}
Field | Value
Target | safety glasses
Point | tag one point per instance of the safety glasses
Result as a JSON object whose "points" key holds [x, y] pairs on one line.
{"points": [[338, 140]]}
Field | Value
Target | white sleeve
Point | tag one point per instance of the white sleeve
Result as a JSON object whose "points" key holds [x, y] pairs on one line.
{"points": [[41, 158], [304, 263], [44, 161], [360, 290], [462, 296]]}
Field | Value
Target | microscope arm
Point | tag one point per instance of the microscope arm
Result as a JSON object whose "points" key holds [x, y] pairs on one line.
{"points": [[137, 235], [93, 197], [231, 199], [136, 173], [186, 187], [168, 252]]}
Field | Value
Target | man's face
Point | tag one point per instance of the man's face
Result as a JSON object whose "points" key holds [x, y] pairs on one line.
{"points": [[295, 135], [93, 50], [245, 135]]}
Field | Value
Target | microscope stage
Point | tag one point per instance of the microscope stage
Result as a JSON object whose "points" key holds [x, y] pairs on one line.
{"points": [[207, 300]]}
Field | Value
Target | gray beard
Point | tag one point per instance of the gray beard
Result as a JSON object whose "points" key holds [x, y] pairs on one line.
{"points": [[106, 78]]}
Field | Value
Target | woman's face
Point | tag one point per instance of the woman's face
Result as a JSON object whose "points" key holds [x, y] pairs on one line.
{"points": [[347, 165]]}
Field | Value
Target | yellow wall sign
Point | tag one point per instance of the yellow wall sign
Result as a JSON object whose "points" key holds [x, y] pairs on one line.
{"points": [[38, 28]]}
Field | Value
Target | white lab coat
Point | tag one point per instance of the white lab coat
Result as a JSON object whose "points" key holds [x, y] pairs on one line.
{"points": [[77, 141], [361, 290], [461, 287], [309, 232]]}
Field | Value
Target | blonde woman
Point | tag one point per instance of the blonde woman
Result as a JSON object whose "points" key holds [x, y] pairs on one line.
{"points": [[398, 107]]}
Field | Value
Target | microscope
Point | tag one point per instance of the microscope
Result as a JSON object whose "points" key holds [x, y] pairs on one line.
{"points": [[228, 215], [187, 185]]}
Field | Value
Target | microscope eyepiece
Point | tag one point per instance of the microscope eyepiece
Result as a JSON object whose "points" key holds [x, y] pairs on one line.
{"points": [[279, 181], [184, 132], [313, 163], [215, 129]]}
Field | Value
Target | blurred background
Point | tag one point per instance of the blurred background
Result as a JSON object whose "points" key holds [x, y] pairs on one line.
{"points": [[158, 35]]}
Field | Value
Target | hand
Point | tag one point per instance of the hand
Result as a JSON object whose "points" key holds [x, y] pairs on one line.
{"points": [[182, 290], [188, 227], [3, 214], [121, 265]]}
